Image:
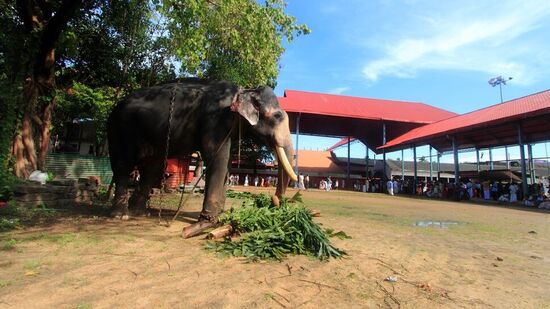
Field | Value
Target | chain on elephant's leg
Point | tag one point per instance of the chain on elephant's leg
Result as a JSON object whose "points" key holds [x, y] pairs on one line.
{"points": [[120, 202]]}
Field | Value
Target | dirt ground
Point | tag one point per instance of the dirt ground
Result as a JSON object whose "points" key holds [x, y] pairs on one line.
{"points": [[489, 256]]}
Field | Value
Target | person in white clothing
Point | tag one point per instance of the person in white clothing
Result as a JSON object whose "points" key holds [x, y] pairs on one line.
{"points": [[301, 182], [390, 187], [513, 193]]}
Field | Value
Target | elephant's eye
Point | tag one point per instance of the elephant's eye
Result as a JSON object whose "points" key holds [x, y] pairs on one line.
{"points": [[278, 115]]}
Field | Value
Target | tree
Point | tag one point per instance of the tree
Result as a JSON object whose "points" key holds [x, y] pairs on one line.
{"points": [[38, 24], [250, 152], [49, 48], [236, 40]]}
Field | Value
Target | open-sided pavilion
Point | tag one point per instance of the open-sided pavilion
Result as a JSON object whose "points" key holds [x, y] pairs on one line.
{"points": [[522, 121], [372, 121]]}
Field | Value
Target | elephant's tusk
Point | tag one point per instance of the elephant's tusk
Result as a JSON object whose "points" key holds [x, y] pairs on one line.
{"points": [[283, 160]]}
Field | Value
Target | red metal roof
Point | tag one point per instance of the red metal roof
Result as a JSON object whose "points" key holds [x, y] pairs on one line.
{"points": [[342, 142], [361, 108], [532, 107]]}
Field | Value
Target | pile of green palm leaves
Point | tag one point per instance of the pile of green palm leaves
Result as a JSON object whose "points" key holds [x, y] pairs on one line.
{"points": [[268, 232]]}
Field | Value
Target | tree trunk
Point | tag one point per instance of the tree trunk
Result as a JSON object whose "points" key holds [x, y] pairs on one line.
{"points": [[40, 81], [45, 134]]}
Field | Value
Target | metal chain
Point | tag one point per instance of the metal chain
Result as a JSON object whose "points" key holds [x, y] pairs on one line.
{"points": [[167, 147]]}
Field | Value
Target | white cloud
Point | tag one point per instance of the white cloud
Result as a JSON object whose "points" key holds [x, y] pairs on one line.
{"points": [[338, 90], [492, 39]]}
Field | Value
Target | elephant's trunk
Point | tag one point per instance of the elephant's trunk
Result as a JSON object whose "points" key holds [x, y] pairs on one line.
{"points": [[285, 171]]}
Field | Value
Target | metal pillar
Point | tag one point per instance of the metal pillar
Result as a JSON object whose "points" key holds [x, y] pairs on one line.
{"points": [[506, 156], [415, 170], [349, 144], [431, 176], [297, 140], [477, 160], [455, 155], [531, 163], [438, 166], [522, 161], [384, 155], [366, 161], [491, 167], [402, 165]]}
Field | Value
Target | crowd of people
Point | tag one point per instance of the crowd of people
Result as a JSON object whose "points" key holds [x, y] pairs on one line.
{"points": [[467, 189], [257, 181]]}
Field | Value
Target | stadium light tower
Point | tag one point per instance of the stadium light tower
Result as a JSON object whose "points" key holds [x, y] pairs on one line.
{"points": [[499, 81]]}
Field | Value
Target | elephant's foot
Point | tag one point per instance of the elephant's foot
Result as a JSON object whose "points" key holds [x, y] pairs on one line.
{"points": [[140, 212], [120, 213], [205, 222], [138, 205]]}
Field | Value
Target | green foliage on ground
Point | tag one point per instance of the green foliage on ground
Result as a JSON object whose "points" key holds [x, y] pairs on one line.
{"points": [[268, 232], [13, 215]]}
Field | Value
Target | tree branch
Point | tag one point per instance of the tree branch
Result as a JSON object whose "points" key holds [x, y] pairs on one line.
{"points": [[28, 11], [50, 36]]}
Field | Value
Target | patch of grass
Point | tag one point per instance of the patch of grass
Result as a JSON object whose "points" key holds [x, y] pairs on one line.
{"points": [[65, 239], [84, 306], [9, 244], [13, 215], [32, 265], [4, 283], [8, 224]]}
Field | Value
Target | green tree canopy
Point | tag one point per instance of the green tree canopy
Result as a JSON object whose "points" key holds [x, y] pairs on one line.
{"points": [[100, 50]]}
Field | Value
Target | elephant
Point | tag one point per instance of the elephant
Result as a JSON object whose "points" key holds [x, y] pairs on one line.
{"points": [[203, 117]]}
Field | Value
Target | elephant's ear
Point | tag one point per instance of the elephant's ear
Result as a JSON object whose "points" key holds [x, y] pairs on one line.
{"points": [[245, 103]]}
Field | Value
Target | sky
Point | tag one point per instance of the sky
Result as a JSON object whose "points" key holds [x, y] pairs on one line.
{"points": [[441, 53]]}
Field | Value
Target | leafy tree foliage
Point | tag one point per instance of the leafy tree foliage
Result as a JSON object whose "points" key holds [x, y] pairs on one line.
{"points": [[237, 40], [63, 59]]}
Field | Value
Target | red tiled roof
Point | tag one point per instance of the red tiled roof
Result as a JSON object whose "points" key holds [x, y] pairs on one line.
{"points": [[522, 108], [361, 108], [317, 161]]}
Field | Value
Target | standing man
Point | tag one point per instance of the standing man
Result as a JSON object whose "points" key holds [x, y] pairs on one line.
{"points": [[301, 182], [390, 187], [307, 181], [395, 187]]}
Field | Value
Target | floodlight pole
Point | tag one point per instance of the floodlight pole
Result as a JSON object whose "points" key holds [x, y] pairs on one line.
{"points": [[493, 82]]}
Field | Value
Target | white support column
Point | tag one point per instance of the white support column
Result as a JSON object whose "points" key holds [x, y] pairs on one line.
{"points": [[297, 142]]}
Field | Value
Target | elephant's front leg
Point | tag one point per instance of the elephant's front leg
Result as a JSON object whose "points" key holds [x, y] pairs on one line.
{"points": [[217, 160], [214, 191]]}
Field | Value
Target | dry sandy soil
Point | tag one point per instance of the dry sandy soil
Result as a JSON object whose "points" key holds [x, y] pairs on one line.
{"points": [[494, 257]]}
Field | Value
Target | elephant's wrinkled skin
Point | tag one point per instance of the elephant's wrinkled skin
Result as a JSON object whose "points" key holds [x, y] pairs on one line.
{"points": [[204, 114]]}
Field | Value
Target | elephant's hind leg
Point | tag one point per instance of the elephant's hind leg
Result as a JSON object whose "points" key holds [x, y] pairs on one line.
{"points": [[150, 172], [120, 201]]}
